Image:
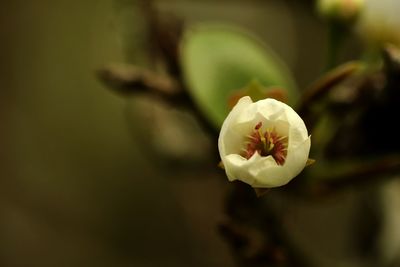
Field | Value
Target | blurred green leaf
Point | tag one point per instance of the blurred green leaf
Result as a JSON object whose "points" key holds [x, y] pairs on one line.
{"points": [[217, 60]]}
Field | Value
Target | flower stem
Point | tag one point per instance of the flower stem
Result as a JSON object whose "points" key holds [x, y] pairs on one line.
{"points": [[336, 35]]}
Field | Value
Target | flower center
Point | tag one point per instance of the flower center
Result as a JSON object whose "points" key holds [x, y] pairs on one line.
{"points": [[267, 143]]}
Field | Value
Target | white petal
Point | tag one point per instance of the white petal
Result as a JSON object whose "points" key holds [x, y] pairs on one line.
{"points": [[271, 109], [263, 171], [280, 175], [236, 168], [297, 158], [229, 140]]}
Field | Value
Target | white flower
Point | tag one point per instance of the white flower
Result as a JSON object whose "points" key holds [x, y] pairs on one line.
{"points": [[264, 144]]}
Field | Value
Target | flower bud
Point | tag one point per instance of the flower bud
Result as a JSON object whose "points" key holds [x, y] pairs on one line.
{"points": [[264, 144], [340, 10], [380, 22]]}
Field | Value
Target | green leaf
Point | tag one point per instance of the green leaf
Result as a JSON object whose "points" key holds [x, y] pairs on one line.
{"points": [[218, 60]]}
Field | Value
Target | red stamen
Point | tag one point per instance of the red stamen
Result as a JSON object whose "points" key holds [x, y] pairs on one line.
{"points": [[266, 144]]}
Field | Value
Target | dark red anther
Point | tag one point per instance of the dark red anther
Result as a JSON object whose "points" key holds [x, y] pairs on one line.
{"points": [[266, 144], [258, 126]]}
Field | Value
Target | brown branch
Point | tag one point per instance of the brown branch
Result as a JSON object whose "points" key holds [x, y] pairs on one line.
{"points": [[255, 233], [165, 33], [322, 87], [335, 176], [128, 79], [365, 172]]}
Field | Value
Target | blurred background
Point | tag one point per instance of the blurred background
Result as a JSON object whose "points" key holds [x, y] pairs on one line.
{"points": [[91, 178]]}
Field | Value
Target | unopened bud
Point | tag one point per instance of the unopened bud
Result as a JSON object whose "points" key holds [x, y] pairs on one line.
{"points": [[345, 11]]}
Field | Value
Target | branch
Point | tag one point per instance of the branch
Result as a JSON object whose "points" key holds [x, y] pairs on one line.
{"points": [[128, 79], [255, 233], [322, 87], [333, 177]]}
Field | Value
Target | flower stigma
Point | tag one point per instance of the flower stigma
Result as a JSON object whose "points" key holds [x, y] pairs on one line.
{"points": [[266, 143]]}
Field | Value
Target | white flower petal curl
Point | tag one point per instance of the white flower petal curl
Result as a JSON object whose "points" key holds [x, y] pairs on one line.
{"points": [[263, 171], [231, 137]]}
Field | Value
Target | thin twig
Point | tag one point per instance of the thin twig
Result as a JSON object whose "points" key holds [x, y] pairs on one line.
{"points": [[128, 79], [332, 177], [255, 233], [323, 85]]}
